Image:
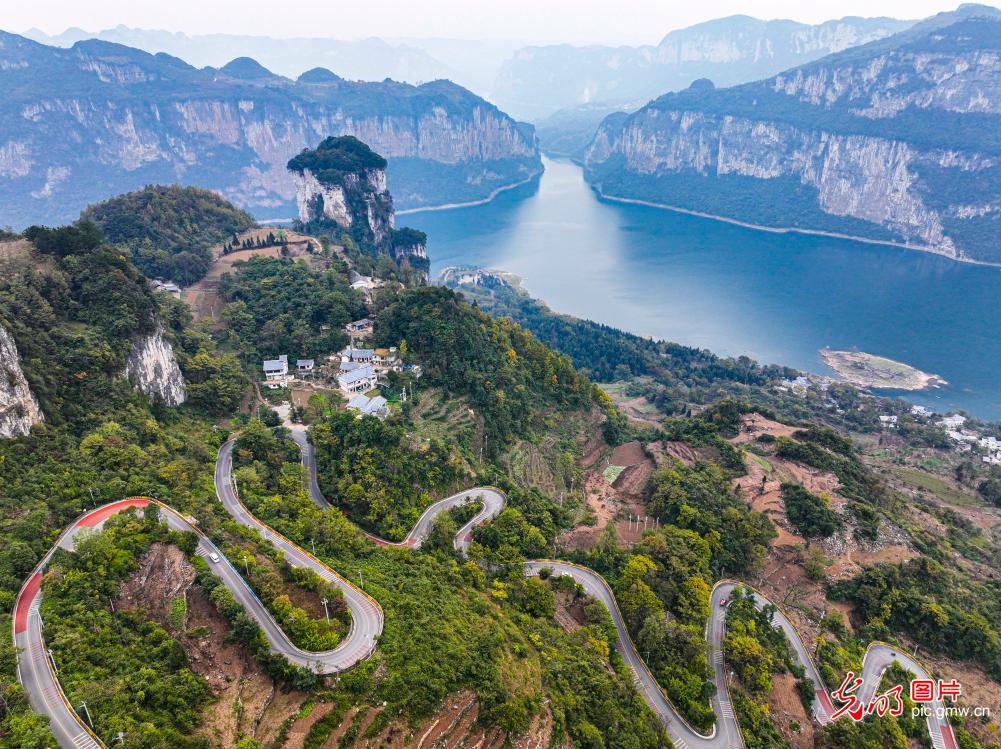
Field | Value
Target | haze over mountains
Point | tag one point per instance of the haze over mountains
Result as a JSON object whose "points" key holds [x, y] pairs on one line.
{"points": [[529, 82], [896, 140], [84, 123], [470, 63], [540, 80]]}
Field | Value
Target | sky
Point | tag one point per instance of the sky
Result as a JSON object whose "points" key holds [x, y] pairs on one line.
{"points": [[572, 21]]}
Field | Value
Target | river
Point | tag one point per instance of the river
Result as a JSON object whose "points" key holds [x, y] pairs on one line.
{"points": [[778, 298]]}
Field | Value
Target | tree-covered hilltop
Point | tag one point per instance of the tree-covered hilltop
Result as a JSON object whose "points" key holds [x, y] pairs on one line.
{"points": [[279, 306], [508, 375], [335, 158], [169, 229]]}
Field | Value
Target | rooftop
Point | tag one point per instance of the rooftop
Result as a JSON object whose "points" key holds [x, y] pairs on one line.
{"points": [[357, 375]]}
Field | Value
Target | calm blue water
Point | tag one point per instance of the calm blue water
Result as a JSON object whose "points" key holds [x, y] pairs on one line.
{"points": [[776, 298]]}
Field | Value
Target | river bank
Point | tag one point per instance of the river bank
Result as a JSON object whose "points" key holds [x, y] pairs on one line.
{"points": [[468, 204], [789, 229]]}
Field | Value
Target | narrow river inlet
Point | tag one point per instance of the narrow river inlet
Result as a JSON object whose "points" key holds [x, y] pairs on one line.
{"points": [[778, 298]]}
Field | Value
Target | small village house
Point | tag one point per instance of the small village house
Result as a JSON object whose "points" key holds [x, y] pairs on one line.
{"points": [[276, 372], [365, 406], [358, 380], [358, 355], [387, 359], [359, 327]]}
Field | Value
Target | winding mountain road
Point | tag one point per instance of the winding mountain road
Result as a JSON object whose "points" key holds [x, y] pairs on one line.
{"points": [[37, 673], [492, 502]]}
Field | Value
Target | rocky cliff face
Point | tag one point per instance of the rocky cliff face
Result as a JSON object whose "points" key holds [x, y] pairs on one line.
{"points": [[316, 200], [343, 181], [894, 141], [79, 124], [19, 410], [152, 368]]}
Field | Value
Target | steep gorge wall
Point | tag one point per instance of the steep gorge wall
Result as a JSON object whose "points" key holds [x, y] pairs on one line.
{"points": [[19, 411], [152, 368], [895, 141], [853, 184], [78, 125]]}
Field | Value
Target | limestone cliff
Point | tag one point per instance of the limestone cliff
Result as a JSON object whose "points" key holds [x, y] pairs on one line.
{"points": [[152, 368], [343, 181], [19, 410], [896, 140], [79, 124]]}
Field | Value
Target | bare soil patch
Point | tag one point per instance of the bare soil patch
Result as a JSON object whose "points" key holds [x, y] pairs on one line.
{"points": [[247, 702], [664, 453], [754, 425], [635, 478], [788, 713], [297, 731], [628, 454]]}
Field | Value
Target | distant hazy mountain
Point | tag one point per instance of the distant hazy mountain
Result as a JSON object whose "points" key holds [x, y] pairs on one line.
{"points": [[81, 124], [568, 132], [899, 140], [472, 63], [540, 80], [364, 59]]}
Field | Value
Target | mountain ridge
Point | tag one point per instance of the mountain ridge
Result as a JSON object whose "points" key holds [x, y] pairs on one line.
{"points": [[892, 141], [100, 118]]}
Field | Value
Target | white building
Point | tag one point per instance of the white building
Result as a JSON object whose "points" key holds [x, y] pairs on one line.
{"points": [[386, 359], [304, 365], [953, 421], [276, 372], [359, 380], [167, 287], [377, 406], [357, 355]]}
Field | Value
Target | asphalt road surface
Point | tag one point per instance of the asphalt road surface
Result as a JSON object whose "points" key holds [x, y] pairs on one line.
{"points": [[38, 674]]}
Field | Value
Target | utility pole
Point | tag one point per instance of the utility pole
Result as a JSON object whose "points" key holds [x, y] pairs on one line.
{"points": [[325, 610], [53, 659], [90, 720], [312, 542], [92, 500], [362, 578]]}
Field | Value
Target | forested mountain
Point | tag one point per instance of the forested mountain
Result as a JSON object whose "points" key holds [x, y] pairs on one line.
{"points": [[170, 230], [100, 118], [895, 140], [538, 81], [531, 657]]}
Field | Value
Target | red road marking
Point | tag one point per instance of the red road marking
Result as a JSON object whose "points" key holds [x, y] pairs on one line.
{"points": [[948, 737], [468, 537], [28, 593], [826, 702], [100, 515]]}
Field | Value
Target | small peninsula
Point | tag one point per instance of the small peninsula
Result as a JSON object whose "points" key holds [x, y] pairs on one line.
{"points": [[871, 371]]}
